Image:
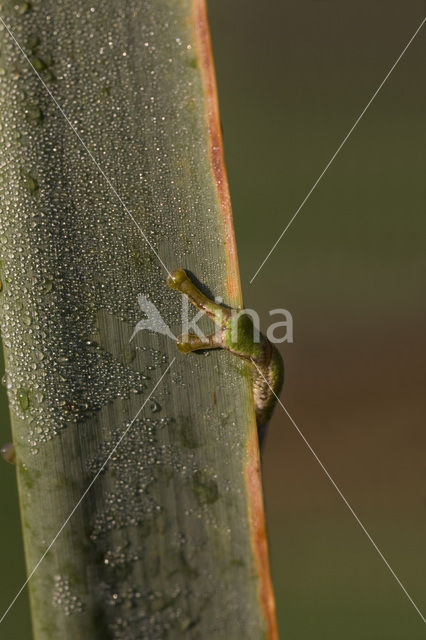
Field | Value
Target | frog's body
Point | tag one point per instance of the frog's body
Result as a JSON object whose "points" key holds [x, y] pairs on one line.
{"points": [[236, 334]]}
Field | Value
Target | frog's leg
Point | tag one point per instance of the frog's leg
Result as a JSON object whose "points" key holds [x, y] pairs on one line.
{"points": [[190, 342], [179, 280]]}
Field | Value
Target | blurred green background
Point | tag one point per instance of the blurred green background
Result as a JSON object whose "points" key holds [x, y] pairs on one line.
{"points": [[293, 77]]}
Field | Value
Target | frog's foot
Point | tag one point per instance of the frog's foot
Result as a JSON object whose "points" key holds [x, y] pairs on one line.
{"points": [[190, 342], [180, 281]]}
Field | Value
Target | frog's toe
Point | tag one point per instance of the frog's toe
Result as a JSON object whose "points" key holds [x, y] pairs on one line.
{"points": [[176, 278]]}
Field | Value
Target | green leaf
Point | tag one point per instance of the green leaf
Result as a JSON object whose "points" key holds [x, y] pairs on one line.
{"points": [[148, 503]]}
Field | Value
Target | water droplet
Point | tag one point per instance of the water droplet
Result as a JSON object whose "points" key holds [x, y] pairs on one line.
{"points": [[38, 64], [8, 452], [30, 183], [23, 399], [64, 597], [22, 7], [154, 405], [34, 115]]}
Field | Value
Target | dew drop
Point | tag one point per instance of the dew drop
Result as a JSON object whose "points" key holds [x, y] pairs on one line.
{"points": [[23, 399]]}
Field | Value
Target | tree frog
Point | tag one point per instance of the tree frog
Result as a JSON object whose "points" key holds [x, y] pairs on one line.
{"points": [[235, 333]]}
